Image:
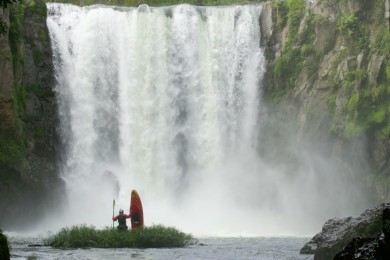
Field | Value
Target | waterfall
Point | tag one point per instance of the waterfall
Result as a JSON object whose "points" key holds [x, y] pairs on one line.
{"points": [[154, 99], [167, 101]]}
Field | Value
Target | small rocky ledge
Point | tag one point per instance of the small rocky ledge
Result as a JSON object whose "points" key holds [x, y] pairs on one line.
{"points": [[350, 237]]}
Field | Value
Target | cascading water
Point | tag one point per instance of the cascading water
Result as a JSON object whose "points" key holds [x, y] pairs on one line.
{"points": [[167, 101]]}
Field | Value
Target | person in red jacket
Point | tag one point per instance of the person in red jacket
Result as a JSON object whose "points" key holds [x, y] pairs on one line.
{"points": [[121, 220]]}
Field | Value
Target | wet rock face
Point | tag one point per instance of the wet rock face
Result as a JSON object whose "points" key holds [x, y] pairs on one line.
{"points": [[31, 181], [386, 223], [318, 86], [369, 248], [359, 248], [6, 80], [337, 233], [4, 248]]}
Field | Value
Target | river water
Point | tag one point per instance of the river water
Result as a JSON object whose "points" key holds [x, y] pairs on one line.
{"points": [[207, 248]]}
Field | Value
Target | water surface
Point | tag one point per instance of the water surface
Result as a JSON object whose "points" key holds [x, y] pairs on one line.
{"points": [[208, 248]]}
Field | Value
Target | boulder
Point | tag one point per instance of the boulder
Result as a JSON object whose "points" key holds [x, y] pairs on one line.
{"points": [[4, 247], [377, 248], [338, 232]]}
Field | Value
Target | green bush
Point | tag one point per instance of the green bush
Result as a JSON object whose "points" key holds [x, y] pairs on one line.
{"points": [[160, 236], [296, 9], [348, 24], [290, 63], [354, 31], [382, 41], [11, 151], [82, 236], [281, 13]]}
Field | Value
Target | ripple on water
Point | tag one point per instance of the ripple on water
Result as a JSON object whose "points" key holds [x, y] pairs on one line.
{"points": [[208, 248]]}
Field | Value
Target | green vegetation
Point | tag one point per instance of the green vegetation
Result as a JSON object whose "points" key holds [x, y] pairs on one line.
{"points": [[298, 45], [13, 137], [382, 42], [366, 110], [16, 34], [39, 91], [366, 107], [12, 147], [11, 150], [281, 13], [12, 142], [5, 3], [363, 101], [378, 99], [82, 236], [3, 25], [20, 99], [38, 7], [4, 247], [355, 33]]}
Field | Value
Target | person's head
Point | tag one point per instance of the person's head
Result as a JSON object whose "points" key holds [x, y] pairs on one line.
{"points": [[121, 211]]}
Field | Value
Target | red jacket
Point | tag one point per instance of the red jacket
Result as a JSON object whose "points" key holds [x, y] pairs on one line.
{"points": [[117, 216]]}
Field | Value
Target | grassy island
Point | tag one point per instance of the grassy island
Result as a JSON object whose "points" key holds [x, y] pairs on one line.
{"points": [[83, 236]]}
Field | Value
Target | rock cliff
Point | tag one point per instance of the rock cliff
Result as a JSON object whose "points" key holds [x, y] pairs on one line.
{"points": [[28, 154], [329, 76]]}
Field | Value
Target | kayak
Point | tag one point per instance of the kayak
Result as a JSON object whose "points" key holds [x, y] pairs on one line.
{"points": [[137, 213]]}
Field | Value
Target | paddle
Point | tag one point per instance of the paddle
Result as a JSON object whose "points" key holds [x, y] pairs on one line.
{"points": [[113, 206]]}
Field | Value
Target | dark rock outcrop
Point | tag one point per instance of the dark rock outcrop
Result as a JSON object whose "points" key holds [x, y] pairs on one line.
{"points": [[359, 248], [4, 248], [337, 233], [377, 248]]}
